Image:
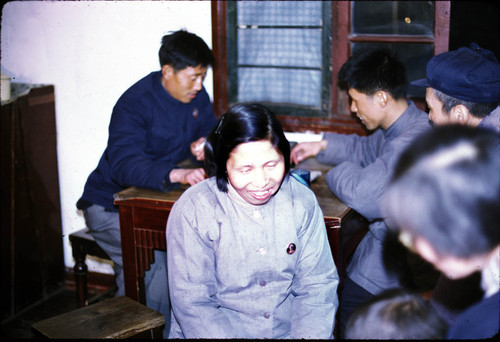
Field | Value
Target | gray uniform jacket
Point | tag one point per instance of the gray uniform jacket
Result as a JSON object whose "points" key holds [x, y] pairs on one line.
{"points": [[364, 166], [492, 120], [238, 270]]}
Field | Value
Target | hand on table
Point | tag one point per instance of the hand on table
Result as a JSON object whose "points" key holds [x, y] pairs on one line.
{"points": [[187, 176], [305, 150]]}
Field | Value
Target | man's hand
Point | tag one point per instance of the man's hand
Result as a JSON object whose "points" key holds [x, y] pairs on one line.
{"points": [[306, 149], [187, 176], [197, 148]]}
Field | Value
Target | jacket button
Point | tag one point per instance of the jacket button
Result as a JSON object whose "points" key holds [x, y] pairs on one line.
{"points": [[291, 248]]}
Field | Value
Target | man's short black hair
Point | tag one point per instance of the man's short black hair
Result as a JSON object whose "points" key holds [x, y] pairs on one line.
{"points": [[372, 70], [182, 49]]}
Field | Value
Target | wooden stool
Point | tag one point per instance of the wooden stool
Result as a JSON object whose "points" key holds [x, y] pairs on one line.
{"points": [[84, 244], [118, 317]]}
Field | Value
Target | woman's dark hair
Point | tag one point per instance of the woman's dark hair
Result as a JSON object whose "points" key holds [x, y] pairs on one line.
{"points": [[242, 123], [182, 49]]}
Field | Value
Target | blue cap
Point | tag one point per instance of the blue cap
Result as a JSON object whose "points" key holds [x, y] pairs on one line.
{"points": [[470, 74]]}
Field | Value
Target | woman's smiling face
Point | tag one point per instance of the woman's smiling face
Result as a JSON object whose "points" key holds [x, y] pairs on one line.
{"points": [[256, 170]]}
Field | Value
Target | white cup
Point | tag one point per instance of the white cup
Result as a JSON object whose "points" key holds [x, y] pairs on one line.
{"points": [[5, 88]]}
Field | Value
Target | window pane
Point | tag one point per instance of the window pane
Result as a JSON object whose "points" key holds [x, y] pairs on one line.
{"points": [[301, 87], [413, 56], [285, 47], [281, 54], [393, 17], [279, 13]]}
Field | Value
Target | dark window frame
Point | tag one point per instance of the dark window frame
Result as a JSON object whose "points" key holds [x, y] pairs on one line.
{"points": [[340, 120]]}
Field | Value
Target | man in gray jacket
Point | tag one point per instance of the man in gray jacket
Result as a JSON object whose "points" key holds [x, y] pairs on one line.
{"points": [[376, 83]]}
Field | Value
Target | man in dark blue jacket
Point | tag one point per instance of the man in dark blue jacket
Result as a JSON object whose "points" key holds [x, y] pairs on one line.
{"points": [[157, 123]]}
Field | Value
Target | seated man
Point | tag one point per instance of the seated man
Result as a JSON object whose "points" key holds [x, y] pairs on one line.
{"points": [[376, 84], [158, 122], [443, 201]]}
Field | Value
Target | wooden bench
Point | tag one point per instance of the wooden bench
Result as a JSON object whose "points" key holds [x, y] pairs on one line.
{"points": [[118, 317]]}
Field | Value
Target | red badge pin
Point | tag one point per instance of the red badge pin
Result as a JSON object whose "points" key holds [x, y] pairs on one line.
{"points": [[291, 248]]}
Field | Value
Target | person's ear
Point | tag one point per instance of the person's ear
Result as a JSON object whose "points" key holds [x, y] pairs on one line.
{"points": [[167, 71], [459, 114], [381, 98]]}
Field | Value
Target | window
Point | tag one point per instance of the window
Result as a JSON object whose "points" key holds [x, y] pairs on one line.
{"points": [[279, 55], [286, 54]]}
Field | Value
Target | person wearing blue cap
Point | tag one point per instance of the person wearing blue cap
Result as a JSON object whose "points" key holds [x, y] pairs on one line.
{"points": [[463, 87]]}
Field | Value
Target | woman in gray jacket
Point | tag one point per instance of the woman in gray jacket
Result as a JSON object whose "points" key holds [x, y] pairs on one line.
{"points": [[248, 255]]}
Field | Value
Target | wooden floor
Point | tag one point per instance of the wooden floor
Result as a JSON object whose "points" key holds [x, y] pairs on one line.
{"points": [[61, 301]]}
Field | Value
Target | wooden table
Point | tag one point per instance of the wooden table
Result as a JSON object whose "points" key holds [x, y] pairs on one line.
{"points": [[144, 214]]}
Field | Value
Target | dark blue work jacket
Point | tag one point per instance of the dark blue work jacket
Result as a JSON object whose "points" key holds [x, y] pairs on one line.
{"points": [[149, 134]]}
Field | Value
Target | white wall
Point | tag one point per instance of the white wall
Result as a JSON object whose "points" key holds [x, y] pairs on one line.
{"points": [[91, 51]]}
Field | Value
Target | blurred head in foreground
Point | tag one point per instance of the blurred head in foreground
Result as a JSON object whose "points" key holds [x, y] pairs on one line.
{"points": [[396, 314]]}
